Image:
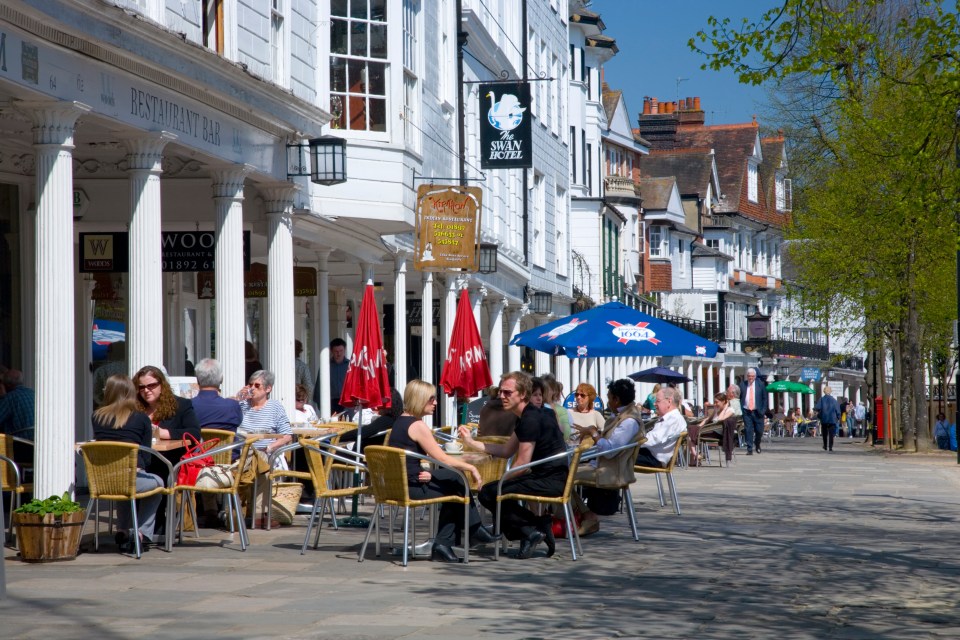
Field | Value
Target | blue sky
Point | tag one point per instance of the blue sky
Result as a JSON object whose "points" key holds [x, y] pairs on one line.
{"points": [[652, 37]]}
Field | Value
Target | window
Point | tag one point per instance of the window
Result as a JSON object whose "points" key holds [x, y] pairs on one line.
{"points": [[683, 259], [573, 155], [710, 312], [539, 220], [656, 237], [554, 94], [411, 130], [752, 179], [587, 77], [560, 220], [584, 159], [358, 68], [212, 25], [784, 194], [588, 165], [713, 243], [277, 42], [445, 54]]}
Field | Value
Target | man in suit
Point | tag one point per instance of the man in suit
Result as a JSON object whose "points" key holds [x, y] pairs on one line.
{"points": [[753, 398]]}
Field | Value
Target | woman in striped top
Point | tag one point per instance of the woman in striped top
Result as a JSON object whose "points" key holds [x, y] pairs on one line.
{"points": [[261, 415]]}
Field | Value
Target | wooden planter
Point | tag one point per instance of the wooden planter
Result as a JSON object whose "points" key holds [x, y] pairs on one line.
{"points": [[48, 538]]}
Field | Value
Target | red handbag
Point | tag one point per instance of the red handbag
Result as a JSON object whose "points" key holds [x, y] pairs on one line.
{"points": [[559, 525], [187, 475]]}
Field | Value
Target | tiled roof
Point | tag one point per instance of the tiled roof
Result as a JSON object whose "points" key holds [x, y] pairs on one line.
{"points": [[732, 144], [691, 168], [702, 250], [656, 192]]}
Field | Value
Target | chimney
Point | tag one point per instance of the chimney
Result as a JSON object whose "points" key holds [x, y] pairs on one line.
{"points": [[654, 105], [689, 103], [691, 116], [646, 105], [696, 103]]}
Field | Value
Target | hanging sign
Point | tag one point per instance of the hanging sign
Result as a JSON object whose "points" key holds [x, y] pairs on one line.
{"points": [[448, 225], [505, 135], [255, 282]]}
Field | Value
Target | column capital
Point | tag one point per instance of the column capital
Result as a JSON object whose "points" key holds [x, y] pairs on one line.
{"points": [[146, 152], [323, 255], [228, 180], [53, 122], [479, 294], [498, 303], [400, 260], [278, 196]]}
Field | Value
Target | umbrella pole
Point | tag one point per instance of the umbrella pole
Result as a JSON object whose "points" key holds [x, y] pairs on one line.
{"points": [[353, 520], [463, 411]]}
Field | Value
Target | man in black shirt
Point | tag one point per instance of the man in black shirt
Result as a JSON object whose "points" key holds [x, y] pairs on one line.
{"points": [[536, 437]]}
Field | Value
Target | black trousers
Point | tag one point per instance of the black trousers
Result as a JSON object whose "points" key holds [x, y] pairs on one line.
{"points": [[827, 431], [647, 459], [753, 428], [444, 482], [516, 521]]}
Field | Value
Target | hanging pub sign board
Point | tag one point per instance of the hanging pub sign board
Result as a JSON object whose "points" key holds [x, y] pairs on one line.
{"points": [[505, 136], [448, 225]]}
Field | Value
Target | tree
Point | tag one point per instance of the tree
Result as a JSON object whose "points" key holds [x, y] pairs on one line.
{"points": [[871, 87]]}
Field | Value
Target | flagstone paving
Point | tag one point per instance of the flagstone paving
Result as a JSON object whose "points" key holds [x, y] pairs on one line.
{"points": [[792, 543]]}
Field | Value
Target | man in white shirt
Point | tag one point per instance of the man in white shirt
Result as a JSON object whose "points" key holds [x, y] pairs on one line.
{"points": [[661, 440]]}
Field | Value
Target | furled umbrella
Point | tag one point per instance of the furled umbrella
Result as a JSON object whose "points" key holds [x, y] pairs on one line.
{"points": [[465, 371], [367, 383]]}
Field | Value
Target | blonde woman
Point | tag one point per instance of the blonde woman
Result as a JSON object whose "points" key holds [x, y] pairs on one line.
{"points": [[412, 434], [120, 420]]}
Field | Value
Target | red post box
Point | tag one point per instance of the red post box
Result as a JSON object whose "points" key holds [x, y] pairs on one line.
{"points": [[878, 413]]}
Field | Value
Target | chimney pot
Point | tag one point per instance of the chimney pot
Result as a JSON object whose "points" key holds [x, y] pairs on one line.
{"points": [[696, 103]]}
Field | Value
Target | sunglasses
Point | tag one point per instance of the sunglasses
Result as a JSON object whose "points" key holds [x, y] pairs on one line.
{"points": [[580, 395], [257, 385], [148, 387], [506, 393]]}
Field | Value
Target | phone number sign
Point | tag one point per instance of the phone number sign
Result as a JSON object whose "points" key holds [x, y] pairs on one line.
{"points": [[181, 251]]}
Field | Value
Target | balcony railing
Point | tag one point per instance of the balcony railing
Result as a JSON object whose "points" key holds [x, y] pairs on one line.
{"points": [[708, 330], [809, 350], [621, 186]]}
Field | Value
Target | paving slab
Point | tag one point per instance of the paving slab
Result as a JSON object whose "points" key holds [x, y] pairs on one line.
{"points": [[793, 543]]}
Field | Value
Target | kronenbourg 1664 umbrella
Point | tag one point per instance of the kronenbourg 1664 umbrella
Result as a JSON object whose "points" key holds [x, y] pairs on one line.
{"points": [[659, 374], [465, 371], [367, 383], [614, 330], [788, 386]]}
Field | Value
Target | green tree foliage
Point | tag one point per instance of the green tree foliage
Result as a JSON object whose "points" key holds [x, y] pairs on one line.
{"points": [[871, 89]]}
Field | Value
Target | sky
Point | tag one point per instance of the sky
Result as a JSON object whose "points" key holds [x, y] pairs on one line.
{"points": [[652, 38]]}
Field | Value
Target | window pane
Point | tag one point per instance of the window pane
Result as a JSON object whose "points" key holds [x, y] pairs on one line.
{"points": [[358, 9], [378, 10], [339, 113], [338, 36], [378, 115], [357, 76], [358, 113], [338, 7], [378, 41], [358, 38], [377, 78], [338, 74]]}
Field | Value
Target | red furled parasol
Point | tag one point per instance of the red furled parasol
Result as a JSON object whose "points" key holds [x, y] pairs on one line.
{"points": [[465, 371], [367, 383]]}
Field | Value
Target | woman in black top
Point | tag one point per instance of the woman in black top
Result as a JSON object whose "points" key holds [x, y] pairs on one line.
{"points": [[411, 433], [120, 420]]}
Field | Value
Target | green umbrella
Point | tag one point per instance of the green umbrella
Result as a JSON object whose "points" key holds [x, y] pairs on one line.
{"points": [[788, 386]]}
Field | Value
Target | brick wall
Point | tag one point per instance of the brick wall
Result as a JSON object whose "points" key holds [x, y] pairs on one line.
{"points": [[660, 276]]}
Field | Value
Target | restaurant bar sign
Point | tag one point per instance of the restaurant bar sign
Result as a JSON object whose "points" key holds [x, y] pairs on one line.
{"points": [[181, 251], [505, 136], [448, 225], [255, 282]]}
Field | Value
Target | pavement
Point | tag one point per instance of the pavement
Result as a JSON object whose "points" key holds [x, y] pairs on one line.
{"points": [[793, 543]]}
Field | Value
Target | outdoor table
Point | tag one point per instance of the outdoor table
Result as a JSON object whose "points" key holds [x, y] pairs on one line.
{"points": [[167, 445], [490, 468], [313, 432]]}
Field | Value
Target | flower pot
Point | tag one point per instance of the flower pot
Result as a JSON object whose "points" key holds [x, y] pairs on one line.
{"points": [[49, 538]]}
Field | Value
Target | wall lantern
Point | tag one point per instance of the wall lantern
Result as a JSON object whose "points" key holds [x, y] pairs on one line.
{"points": [[324, 159], [541, 302], [488, 257]]}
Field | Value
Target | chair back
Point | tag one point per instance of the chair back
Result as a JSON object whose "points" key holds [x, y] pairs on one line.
{"points": [[225, 437], [681, 440], [111, 469], [8, 470], [572, 472], [318, 464], [387, 468], [386, 438]]}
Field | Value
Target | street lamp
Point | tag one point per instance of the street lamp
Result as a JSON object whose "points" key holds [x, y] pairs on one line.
{"points": [[488, 257], [323, 159]]}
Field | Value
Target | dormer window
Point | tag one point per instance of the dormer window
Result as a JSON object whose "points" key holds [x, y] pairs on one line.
{"points": [[752, 183]]}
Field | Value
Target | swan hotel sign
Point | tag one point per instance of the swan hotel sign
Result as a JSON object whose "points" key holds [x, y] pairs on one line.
{"points": [[505, 140]]}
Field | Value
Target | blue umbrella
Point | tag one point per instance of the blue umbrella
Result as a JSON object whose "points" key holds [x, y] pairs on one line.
{"points": [[659, 374], [614, 330]]}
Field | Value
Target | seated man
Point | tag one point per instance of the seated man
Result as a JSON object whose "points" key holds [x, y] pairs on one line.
{"points": [[611, 471], [17, 414], [661, 440]]}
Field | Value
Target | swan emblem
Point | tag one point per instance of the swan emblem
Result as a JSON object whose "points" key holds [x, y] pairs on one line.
{"points": [[505, 115]]}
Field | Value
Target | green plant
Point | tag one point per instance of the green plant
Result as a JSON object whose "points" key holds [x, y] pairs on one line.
{"points": [[54, 504]]}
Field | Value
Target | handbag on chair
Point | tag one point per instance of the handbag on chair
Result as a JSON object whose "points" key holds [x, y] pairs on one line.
{"points": [[189, 471]]}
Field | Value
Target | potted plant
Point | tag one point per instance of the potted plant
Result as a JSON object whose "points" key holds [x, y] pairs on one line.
{"points": [[49, 530]]}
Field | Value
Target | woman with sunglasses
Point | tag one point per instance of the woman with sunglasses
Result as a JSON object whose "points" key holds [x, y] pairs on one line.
{"points": [[411, 433], [583, 414], [172, 415]]}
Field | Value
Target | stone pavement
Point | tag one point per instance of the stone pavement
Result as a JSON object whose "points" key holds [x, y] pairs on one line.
{"points": [[793, 543]]}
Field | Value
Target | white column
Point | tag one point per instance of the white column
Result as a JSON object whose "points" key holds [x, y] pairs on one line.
{"points": [[477, 297], [426, 326], [230, 310], [280, 300], [710, 386], [541, 360], [721, 379], [322, 351], [174, 358], [733, 376], [513, 328], [448, 412], [497, 309], [692, 385], [400, 331], [54, 351], [145, 310]]}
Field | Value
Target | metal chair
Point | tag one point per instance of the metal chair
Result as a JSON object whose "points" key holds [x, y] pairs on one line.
{"points": [[628, 450], [668, 471], [302, 476], [111, 469], [387, 470], [11, 477], [320, 458], [573, 459]]}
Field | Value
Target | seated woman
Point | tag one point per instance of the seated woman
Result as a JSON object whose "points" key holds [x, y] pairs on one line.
{"points": [[174, 416], [583, 414], [411, 433], [119, 420], [723, 413], [303, 412]]}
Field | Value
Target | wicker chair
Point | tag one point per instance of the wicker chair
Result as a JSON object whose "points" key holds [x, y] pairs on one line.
{"points": [[562, 499], [11, 477], [628, 450], [230, 493], [387, 469], [709, 438], [112, 475], [302, 476], [320, 459], [668, 471]]}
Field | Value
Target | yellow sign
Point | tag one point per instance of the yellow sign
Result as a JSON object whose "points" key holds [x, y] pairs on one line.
{"points": [[448, 225]]}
